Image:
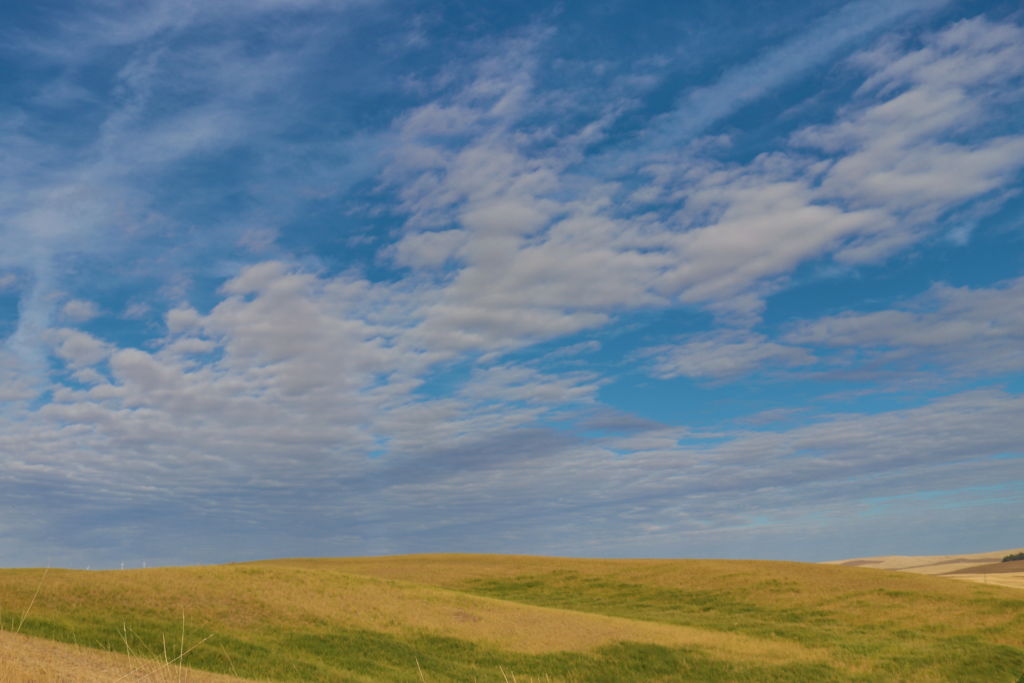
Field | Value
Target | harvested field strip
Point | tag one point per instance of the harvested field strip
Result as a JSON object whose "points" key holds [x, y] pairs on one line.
{"points": [[927, 564], [1014, 567]]}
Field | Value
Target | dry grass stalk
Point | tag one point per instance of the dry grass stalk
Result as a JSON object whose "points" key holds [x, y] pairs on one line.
{"points": [[24, 615]]}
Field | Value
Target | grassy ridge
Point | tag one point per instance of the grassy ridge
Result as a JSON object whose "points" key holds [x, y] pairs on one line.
{"points": [[472, 617]]}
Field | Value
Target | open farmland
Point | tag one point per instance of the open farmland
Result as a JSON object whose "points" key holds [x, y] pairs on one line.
{"points": [[987, 568], [485, 617]]}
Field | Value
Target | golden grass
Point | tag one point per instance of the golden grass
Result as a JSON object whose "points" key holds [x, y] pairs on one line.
{"points": [[847, 622], [239, 597], [807, 583], [1007, 580], [856, 597], [24, 659]]}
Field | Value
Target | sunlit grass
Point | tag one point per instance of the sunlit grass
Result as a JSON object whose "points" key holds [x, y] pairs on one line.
{"points": [[25, 659], [490, 617]]}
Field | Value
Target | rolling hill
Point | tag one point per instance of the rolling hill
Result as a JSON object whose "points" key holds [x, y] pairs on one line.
{"points": [[496, 618]]}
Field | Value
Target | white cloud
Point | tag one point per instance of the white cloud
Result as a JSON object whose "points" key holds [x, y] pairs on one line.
{"points": [[182, 318], [429, 249], [100, 188], [15, 383], [926, 148], [965, 54], [302, 388], [141, 374], [288, 379], [80, 310], [190, 345], [99, 26], [135, 310], [572, 350], [469, 327], [524, 270], [723, 355], [79, 349], [748, 83], [899, 158], [966, 330], [520, 383], [766, 223], [516, 252]]}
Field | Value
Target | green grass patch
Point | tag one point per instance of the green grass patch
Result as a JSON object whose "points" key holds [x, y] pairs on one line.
{"points": [[353, 654], [897, 645]]}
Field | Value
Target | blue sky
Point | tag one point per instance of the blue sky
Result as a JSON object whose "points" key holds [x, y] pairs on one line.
{"points": [[300, 277]]}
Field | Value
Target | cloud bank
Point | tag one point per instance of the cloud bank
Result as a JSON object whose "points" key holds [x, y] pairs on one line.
{"points": [[273, 289]]}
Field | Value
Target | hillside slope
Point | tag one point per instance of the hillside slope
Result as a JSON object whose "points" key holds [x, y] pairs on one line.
{"points": [[479, 617], [23, 658]]}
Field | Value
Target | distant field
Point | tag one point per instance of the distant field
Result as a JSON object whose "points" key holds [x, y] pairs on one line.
{"points": [[987, 568], [1015, 567], [497, 618]]}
